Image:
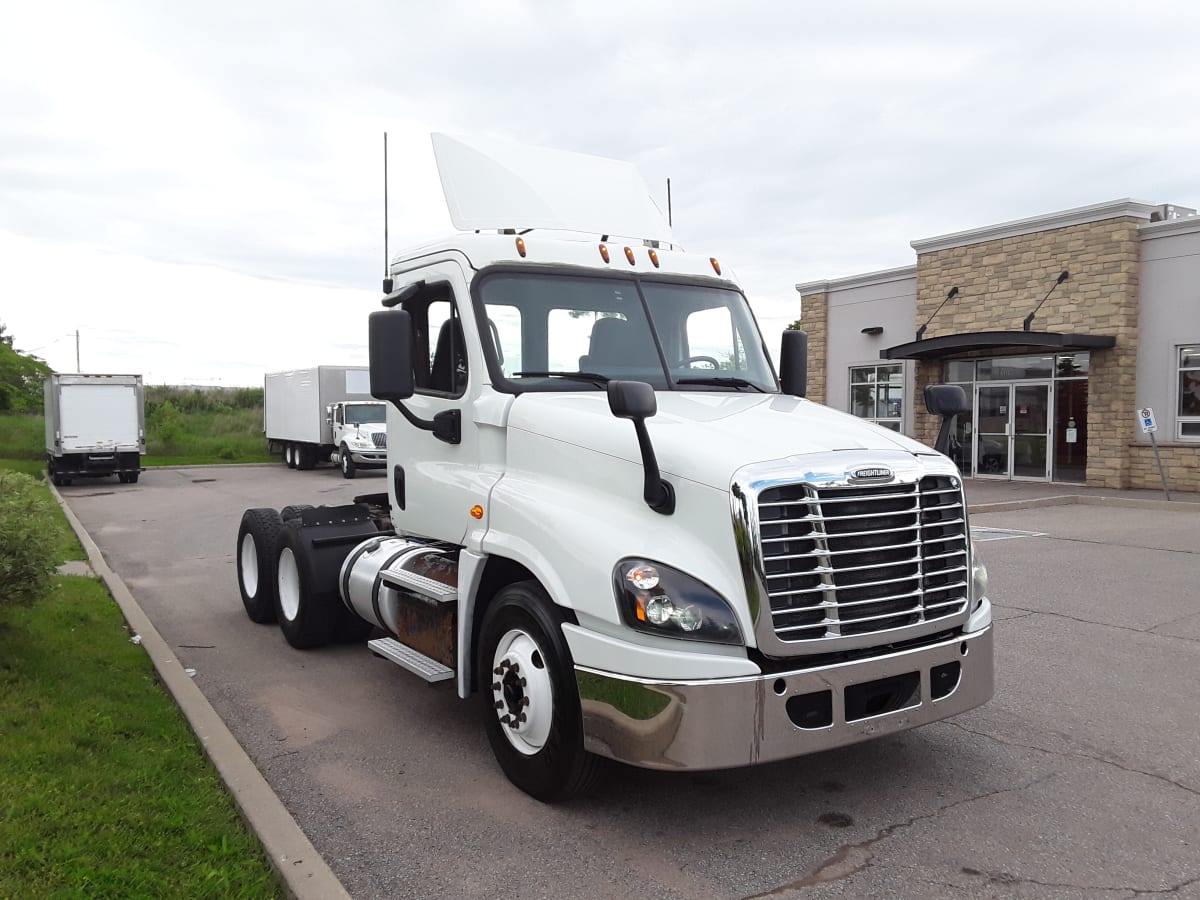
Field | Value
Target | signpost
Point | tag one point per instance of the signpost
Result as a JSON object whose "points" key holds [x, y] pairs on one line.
{"points": [[1149, 426]]}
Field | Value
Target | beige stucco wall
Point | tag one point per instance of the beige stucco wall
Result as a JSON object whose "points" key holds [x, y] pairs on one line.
{"points": [[1001, 281]]}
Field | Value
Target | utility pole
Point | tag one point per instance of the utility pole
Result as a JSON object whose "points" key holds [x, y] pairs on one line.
{"points": [[77, 369]]}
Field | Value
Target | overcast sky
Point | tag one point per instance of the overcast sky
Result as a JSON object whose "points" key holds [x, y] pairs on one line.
{"points": [[196, 188]]}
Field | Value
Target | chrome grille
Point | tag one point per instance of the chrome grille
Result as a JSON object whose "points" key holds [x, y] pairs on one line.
{"points": [[862, 559], [380, 439]]}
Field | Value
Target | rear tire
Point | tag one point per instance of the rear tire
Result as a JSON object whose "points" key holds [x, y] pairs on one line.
{"points": [[306, 456], [256, 552], [290, 513], [527, 679], [289, 455], [308, 613], [132, 478], [349, 469]]}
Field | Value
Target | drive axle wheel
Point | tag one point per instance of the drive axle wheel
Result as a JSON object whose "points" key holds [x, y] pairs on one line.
{"points": [[257, 547], [533, 718]]}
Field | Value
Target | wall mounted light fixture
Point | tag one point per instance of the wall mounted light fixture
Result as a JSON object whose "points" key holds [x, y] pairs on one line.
{"points": [[873, 330]]}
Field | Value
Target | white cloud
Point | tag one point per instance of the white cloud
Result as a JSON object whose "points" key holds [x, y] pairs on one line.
{"points": [[229, 153]]}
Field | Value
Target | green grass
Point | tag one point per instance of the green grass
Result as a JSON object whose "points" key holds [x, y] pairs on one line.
{"points": [[22, 437], [212, 437], [206, 437], [104, 791]]}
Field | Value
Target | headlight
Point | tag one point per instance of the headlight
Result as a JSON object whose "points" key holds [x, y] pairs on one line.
{"points": [[656, 599], [979, 577]]}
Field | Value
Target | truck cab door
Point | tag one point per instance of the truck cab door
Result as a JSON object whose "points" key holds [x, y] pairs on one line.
{"points": [[434, 484]]}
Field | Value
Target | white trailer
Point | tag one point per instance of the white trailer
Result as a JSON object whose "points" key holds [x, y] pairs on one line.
{"points": [[325, 412], [95, 427]]}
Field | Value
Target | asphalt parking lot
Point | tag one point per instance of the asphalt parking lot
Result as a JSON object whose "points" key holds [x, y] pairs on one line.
{"points": [[1080, 779]]}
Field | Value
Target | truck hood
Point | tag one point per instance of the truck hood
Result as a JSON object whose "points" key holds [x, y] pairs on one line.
{"points": [[705, 437]]}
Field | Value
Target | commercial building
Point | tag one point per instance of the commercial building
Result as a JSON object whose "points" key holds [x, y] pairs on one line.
{"points": [[1060, 327]]}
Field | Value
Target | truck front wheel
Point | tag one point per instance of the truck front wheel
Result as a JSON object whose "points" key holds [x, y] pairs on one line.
{"points": [[348, 467], [527, 680]]}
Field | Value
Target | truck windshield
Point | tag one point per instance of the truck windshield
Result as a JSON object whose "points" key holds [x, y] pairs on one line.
{"points": [[365, 413], [558, 331]]}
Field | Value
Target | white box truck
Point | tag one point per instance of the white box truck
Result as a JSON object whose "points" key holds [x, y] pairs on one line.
{"points": [[610, 516], [95, 427], [322, 413]]}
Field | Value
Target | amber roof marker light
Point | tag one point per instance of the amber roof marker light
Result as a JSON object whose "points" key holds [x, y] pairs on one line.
{"points": [[629, 255], [716, 265], [654, 257], [604, 252], [521, 247]]}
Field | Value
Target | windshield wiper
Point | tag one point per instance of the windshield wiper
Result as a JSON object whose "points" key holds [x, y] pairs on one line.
{"points": [[721, 381], [570, 376]]}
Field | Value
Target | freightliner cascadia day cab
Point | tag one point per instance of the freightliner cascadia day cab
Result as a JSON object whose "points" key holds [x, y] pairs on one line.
{"points": [[323, 413], [606, 514], [95, 427]]}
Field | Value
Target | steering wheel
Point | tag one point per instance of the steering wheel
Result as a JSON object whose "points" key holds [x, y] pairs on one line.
{"points": [[693, 359]]}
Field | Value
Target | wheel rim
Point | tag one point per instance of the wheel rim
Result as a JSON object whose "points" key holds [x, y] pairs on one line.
{"points": [[521, 692], [289, 585], [249, 556]]}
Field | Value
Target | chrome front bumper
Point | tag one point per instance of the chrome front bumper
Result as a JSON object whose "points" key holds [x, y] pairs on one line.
{"points": [[369, 457], [734, 722]]}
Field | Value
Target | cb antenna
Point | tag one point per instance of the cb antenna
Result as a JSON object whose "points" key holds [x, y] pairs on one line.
{"points": [[387, 280]]}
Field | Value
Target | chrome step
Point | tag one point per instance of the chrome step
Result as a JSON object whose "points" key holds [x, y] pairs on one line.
{"points": [[426, 589], [408, 658]]}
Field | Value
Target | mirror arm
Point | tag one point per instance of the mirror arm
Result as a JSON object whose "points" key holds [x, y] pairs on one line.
{"points": [[658, 494], [446, 425]]}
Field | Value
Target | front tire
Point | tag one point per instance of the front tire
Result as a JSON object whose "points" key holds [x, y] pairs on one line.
{"points": [[257, 548], [349, 469], [532, 710]]}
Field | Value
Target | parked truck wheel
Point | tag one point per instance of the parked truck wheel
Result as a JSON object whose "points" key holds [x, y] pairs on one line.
{"points": [[289, 455], [257, 548], [532, 711], [309, 613], [132, 478], [306, 456], [349, 469]]}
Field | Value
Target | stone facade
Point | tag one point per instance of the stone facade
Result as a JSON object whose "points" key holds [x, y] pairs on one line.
{"points": [[814, 320], [1001, 281], [1179, 462]]}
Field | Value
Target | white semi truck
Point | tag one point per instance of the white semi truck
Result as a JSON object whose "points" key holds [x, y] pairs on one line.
{"points": [[322, 413], [608, 515], [95, 427]]}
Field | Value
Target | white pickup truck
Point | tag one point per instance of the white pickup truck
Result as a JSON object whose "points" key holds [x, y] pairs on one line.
{"points": [[610, 516]]}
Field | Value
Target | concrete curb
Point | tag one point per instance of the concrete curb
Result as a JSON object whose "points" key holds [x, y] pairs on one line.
{"points": [[305, 875]]}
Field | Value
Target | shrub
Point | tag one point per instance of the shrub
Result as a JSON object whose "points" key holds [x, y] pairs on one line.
{"points": [[166, 424], [28, 541], [227, 452]]}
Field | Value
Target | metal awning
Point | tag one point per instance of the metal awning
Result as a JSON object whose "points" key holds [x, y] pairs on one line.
{"points": [[997, 343]]}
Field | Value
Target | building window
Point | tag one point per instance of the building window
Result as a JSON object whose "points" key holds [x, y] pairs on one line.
{"points": [[1189, 393], [877, 394]]}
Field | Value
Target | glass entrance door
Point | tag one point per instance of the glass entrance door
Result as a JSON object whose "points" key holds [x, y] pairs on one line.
{"points": [[993, 411], [1011, 431]]}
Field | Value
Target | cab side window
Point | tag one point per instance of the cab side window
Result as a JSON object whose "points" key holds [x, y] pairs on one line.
{"points": [[440, 354]]}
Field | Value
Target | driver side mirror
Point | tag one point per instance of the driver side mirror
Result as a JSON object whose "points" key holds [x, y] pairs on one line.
{"points": [[390, 341]]}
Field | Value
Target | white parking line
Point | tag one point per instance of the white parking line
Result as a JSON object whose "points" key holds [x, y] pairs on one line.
{"points": [[979, 533]]}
